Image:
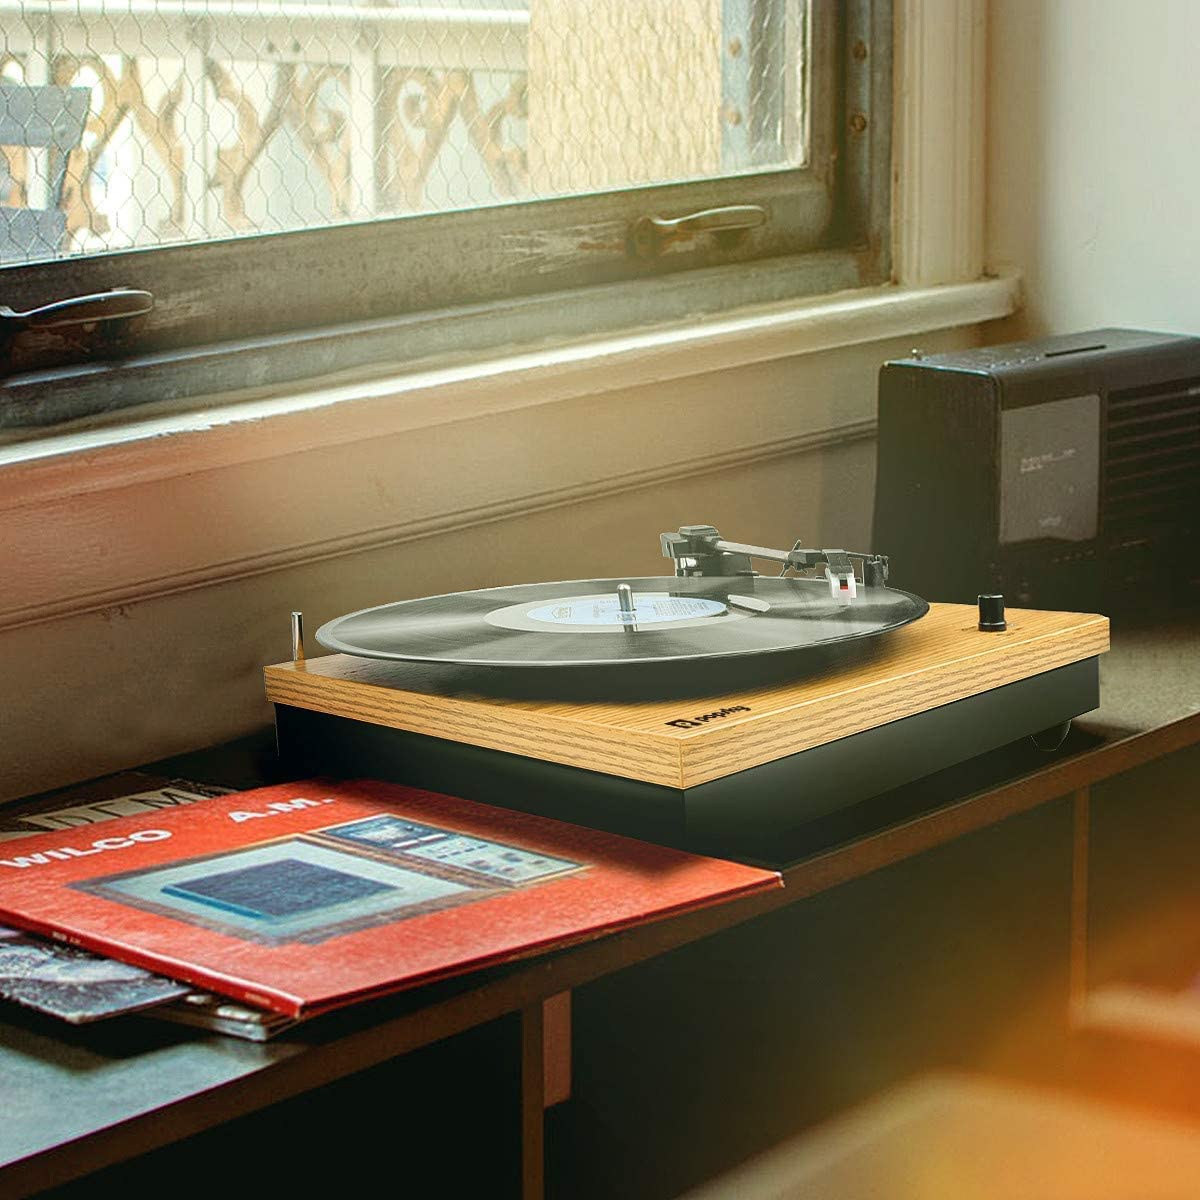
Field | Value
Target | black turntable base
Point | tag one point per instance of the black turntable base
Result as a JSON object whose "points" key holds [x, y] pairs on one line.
{"points": [[771, 814]]}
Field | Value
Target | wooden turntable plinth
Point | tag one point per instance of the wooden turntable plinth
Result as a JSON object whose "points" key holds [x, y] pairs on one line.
{"points": [[931, 694]]}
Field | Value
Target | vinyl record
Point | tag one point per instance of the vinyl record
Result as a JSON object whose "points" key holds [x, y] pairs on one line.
{"points": [[580, 623]]}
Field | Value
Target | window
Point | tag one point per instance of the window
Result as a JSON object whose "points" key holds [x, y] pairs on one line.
{"points": [[309, 188]]}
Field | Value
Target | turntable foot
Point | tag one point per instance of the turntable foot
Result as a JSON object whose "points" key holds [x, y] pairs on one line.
{"points": [[1049, 740]]}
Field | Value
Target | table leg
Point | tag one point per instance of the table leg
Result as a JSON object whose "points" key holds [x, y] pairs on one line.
{"points": [[533, 1102], [556, 1036]]}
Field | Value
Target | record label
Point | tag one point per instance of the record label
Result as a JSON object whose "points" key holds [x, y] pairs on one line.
{"points": [[600, 612], [649, 608]]}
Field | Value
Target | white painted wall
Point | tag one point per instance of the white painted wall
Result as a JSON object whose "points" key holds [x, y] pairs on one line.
{"points": [[1094, 162]]}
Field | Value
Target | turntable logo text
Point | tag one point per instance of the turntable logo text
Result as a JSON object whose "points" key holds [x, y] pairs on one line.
{"points": [[696, 722]]}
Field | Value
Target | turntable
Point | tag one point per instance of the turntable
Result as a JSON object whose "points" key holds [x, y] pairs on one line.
{"points": [[716, 709]]}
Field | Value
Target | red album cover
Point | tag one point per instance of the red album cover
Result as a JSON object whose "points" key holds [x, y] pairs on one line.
{"points": [[311, 895]]}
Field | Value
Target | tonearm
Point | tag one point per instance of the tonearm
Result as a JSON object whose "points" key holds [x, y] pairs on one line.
{"points": [[701, 550]]}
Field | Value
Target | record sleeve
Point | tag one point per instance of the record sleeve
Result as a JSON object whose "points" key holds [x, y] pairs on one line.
{"points": [[218, 1014], [73, 985], [124, 794], [308, 896]]}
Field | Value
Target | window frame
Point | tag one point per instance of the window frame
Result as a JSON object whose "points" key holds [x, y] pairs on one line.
{"points": [[475, 280]]}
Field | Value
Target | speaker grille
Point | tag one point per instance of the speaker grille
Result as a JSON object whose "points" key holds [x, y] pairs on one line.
{"points": [[1152, 461]]}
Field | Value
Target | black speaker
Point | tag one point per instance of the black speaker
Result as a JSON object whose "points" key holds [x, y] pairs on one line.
{"points": [[1062, 472]]}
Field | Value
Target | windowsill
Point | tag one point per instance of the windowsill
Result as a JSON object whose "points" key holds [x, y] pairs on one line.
{"points": [[165, 504], [147, 446]]}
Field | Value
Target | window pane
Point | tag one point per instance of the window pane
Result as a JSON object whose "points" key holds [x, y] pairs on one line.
{"points": [[215, 118]]}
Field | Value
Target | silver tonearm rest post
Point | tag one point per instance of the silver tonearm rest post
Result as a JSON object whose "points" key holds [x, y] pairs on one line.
{"points": [[701, 550]]}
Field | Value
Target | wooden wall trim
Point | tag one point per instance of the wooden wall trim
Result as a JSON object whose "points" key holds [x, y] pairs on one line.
{"points": [[939, 141], [32, 604]]}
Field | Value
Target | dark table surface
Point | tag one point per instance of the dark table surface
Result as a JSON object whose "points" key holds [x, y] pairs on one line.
{"points": [[78, 1098]]}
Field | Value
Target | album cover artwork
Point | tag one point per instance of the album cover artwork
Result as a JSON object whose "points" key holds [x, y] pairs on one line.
{"points": [[311, 895], [292, 890], [73, 985]]}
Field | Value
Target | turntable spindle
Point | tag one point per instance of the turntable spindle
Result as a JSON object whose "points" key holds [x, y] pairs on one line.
{"points": [[297, 637], [625, 600]]}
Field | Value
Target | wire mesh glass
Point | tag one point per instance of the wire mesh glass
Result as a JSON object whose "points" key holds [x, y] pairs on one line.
{"points": [[214, 118]]}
